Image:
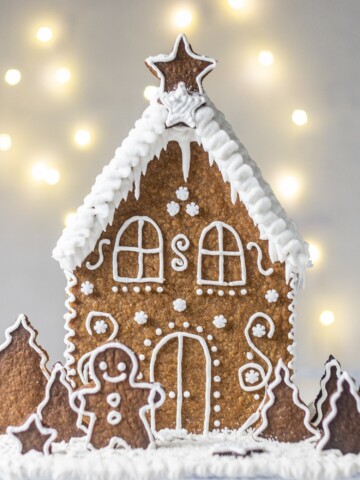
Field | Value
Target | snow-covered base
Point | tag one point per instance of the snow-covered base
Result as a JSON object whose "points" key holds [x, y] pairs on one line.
{"points": [[177, 457]]}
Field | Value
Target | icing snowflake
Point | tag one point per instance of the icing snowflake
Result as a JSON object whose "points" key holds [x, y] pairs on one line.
{"points": [[100, 327], [272, 296], [252, 377], [140, 318], [219, 321], [173, 208], [182, 193], [179, 305], [192, 209], [181, 105], [259, 330], [87, 288]]}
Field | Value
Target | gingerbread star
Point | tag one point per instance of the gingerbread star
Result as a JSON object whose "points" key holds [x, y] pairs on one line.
{"points": [[33, 436], [181, 65]]}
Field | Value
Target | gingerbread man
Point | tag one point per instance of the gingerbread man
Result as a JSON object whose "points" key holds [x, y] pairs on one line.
{"points": [[116, 403]]}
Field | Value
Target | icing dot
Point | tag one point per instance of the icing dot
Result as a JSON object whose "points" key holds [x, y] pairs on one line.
{"points": [[216, 363], [217, 423], [186, 324], [213, 348], [243, 291], [217, 408], [199, 291], [172, 394], [199, 329], [158, 331], [210, 291], [124, 289], [160, 289], [137, 289], [210, 337], [217, 379], [249, 356], [147, 342], [115, 289], [171, 325], [217, 394], [140, 376], [103, 365], [141, 357], [221, 293], [231, 293], [256, 396], [147, 288], [186, 394], [121, 366]]}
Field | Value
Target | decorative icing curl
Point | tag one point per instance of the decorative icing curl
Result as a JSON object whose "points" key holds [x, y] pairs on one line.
{"points": [[101, 316], [89, 266], [180, 243], [267, 272]]}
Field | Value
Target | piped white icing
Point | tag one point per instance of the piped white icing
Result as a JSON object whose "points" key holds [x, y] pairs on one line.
{"points": [[180, 243]]}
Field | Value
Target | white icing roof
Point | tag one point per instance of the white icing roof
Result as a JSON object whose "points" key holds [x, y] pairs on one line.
{"points": [[147, 140]]}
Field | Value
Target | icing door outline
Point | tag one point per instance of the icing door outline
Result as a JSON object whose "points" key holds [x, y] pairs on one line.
{"points": [[179, 398]]}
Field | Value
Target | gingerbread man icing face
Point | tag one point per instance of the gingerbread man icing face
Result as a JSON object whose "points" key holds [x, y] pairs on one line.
{"points": [[113, 365]]}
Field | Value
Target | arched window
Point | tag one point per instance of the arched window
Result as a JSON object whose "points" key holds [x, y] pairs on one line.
{"points": [[142, 262], [221, 258]]}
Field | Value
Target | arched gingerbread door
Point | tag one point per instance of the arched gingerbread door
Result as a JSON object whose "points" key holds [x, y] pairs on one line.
{"points": [[181, 362]]}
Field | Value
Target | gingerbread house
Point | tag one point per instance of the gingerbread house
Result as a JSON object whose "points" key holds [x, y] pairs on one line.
{"points": [[182, 252]]}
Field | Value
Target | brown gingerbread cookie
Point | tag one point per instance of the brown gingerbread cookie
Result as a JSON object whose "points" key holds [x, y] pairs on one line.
{"points": [[55, 410], [32, 435], [284, 416], [23, 373], [116, 404], [328, 386], [341, 426]]}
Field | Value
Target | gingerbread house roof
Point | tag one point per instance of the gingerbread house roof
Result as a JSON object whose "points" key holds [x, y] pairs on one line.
{"points": [[145, 142]]}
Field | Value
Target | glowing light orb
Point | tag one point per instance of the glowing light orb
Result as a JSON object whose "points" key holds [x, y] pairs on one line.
{"points": [[51, 176], [150, 91], [182, 18], [315, 253], [69, 217], [5, 142], [82, 138], [38, 171], [12, 76], [299, 117], [266, 58], [288, 187], [237, 4], [63, 75], [327, 318], [44, 34]]}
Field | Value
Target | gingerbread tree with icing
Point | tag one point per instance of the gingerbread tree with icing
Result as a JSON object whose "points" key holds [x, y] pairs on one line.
{"points": [[341, 426], [55, 410], [284, 416], [23, 373], [328, 386], [182, 252]]}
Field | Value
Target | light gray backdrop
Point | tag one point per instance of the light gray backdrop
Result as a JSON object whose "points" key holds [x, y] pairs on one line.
{"points": [[317, 68]]}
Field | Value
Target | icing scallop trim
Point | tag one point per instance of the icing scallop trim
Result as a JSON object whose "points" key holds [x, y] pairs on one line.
{"points": [[145, 142]]}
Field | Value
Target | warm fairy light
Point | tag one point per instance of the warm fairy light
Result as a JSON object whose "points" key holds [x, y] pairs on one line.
{"points": [[51, 176], [44, 34], [38, 171], [63, 75], [12, 76], [82, 138], [315, 253], [5, 142], [288, 187], [150, 91], [266, 58], [182, 18], [237, 4], [69, 218], [299, 117], [327, 317]]}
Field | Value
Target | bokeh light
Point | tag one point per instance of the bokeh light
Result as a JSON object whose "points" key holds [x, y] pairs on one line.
{"points": [[51, 176], [315, 253], [41, 172], [327, 318], [237, 4], [44, 34], [82, 137], [63, 75], [288, 187], [299, 117], [12, 76], [266, 58], [69, 218], [5, 142], [182, 18], [150, 91]]}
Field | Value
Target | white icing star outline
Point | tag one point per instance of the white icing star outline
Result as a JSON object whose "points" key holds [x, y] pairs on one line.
{"points": [[151, 62]]}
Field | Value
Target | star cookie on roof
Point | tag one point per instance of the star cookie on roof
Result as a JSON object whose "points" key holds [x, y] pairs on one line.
{"points": [[33, 436]]}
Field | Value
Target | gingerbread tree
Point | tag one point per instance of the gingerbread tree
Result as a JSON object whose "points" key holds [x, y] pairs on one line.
{"points": [[55, 410], [23, 374], [284, 416], [328, 386], [341, 426]]}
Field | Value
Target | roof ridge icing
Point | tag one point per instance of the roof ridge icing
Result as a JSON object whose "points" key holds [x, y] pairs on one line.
{"points": [[145, 142]]}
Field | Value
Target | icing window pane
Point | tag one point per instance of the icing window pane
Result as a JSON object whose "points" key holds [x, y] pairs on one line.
{"points": [[221, 258], [138, 252]]}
